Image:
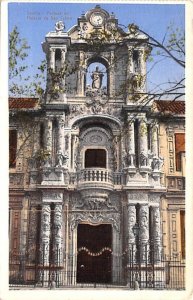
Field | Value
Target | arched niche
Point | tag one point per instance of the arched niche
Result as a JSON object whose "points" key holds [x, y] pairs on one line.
{"points": [[97, 75]]}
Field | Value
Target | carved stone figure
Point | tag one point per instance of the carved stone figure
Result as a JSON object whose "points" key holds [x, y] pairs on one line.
{"points": [[143, 160], [61, 159], [58, 233], [59, 26], [131, 223], [97, 77], [45, 234]]}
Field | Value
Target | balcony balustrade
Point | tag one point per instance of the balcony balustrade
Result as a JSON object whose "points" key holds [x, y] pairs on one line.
{"points": [[92, 176]]}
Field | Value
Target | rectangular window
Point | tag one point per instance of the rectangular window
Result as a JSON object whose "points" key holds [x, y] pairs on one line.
{"points": [[12, 147], [179, 149], [182, 227]]}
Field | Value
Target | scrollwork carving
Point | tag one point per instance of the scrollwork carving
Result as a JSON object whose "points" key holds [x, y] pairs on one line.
{"points": [[95, 218]]}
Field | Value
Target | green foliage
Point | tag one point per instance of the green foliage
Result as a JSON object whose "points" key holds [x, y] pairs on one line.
{"points": [[20, 82]]}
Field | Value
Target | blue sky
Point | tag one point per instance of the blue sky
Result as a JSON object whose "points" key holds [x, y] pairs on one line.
{"points": [[35, 20]]}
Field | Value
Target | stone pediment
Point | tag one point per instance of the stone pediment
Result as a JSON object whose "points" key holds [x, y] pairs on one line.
{"points": [[95, 21]]}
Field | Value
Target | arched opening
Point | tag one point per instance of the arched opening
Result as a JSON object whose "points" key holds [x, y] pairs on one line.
{"points": [[97, 77], [95, 158]]}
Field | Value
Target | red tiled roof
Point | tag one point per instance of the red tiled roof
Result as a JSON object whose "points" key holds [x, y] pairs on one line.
{"points": [[166, 106], [26, 103]]}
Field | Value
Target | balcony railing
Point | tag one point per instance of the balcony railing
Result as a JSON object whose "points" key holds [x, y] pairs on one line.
{"points": [[95, 175]]}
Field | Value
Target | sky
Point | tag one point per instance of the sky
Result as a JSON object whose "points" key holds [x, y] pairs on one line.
{"points": [[35, 20]]}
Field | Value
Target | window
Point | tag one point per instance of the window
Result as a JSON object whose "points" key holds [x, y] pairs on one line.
{"points": [[95, 158], [57, 60], [182, 227], [42, 132], [179, 149], [136, 62], [12, 148]]}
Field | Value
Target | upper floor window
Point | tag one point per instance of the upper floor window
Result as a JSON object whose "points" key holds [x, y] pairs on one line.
{"points": [[179, 150], [12, 147], [95, 158]]}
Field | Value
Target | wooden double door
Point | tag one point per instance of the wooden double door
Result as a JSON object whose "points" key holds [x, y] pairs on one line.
{"points": [[94, 260]]}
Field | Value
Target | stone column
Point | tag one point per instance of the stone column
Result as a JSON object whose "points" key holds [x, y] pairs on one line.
{"points": [[111, 74], [80, 74], [45, 234], [45, 244], [156, 234], [129, 74], [143, 143], [131, 236], [52, 59], [144, 232], [131, 144], [48, 135], [58, 235], [154, 140], [63, 61], [61, 140], [75, 157]]}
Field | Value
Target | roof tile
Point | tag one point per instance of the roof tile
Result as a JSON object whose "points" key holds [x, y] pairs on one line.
{"points": [[23, 103], [167, 106]]}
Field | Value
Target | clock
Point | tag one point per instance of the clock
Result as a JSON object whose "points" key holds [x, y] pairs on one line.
{"points": [[96, 19]]}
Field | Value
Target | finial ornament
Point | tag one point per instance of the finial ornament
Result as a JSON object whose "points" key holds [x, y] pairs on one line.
{"points": [[59, 26], [132, 28]]}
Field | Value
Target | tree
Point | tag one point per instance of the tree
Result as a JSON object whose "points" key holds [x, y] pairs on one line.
{"points": [[20, 82]]}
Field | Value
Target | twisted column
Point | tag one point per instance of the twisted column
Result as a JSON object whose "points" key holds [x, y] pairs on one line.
{"points": [[131, 223], [58, 235], [144, 231], [156, 233], [45, 235]]}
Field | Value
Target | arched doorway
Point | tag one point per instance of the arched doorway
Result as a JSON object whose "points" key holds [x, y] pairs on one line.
{"points": [[94, 259]]}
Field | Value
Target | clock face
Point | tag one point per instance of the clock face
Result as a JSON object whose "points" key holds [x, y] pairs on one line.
{"points": [[96, 19]]}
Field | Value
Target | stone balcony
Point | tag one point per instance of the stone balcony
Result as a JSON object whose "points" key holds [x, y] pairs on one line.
{"points": [[92, 177]]}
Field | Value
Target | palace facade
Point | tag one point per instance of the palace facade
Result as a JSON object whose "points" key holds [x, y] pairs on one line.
{"points": [[96, 166]]}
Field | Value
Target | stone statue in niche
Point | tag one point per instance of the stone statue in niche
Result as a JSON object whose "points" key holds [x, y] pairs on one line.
{"points": [[97, 78]]}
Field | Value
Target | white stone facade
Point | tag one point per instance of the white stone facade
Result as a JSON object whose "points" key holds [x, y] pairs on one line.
{"points": [[123, 188]]}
